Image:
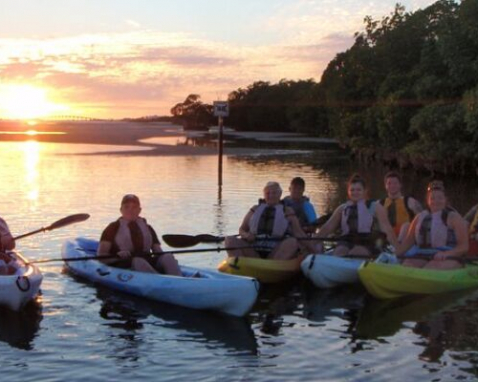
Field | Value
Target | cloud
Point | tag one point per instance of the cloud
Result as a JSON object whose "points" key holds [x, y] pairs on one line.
{"points": [[309, 21], [147, 72]]}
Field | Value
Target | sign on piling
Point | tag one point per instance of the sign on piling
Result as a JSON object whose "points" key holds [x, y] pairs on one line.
{"points": [[221, 110]]}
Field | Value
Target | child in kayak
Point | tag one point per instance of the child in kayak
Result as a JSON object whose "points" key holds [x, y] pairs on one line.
{"points": [[439, 231], [132, 239], [303, 208], [357, 217], [400, 209]]}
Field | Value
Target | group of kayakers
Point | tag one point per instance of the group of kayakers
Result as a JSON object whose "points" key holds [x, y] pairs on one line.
{"points": [[281, 228], [435, 237]]}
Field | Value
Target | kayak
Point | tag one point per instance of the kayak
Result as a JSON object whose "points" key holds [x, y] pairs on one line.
{"points": [[198, 289], [392, 280], [329, 271], [17, 289], [264, 270]]}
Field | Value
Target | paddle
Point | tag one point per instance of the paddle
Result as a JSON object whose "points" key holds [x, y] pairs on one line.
{"points": [[182, 241], [218, 249], [77, 218]]}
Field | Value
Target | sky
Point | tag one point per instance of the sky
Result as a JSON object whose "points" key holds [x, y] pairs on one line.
{"points": [[133, 58]]}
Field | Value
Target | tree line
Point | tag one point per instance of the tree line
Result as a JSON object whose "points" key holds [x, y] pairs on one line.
{"points": [[405, 92]]}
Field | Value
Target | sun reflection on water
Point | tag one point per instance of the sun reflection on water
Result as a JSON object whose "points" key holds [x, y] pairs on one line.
{"points": [[31, 153]]}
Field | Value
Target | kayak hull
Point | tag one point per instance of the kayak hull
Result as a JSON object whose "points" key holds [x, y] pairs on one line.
{"points": [[265, 270], [328, 271], [18, 289], [385, 281], [211, 291]]}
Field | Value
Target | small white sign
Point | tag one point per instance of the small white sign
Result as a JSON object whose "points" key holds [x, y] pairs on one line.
{"points": [[221, 109]]}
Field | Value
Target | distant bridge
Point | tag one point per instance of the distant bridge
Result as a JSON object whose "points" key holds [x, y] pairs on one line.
{"points": [[71, 118]]}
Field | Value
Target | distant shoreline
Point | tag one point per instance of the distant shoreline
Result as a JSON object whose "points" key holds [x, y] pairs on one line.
{"points": [[125, 133]]}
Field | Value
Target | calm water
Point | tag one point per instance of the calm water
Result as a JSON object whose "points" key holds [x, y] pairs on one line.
{"points": [[294, 332]]}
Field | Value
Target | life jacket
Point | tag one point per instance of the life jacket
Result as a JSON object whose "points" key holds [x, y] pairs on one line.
{"points": [[123, 240], [298, 207], [358, 217], [402, 214], [432, 230], [269, 220]]}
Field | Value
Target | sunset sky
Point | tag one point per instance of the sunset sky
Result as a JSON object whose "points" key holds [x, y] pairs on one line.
{"points": [[131, 58]]}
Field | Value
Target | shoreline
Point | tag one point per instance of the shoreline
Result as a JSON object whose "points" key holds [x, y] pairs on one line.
{"points": [[121, 133]]}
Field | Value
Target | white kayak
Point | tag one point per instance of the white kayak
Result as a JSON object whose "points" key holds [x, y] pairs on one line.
{"points": [[329, 271], [212, 290], [18, 289]]}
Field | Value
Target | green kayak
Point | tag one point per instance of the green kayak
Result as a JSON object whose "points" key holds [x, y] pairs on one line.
{"points": [[391, 280]]}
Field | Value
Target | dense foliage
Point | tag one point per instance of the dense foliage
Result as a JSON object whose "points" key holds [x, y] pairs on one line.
{"points": [[406, 91], [193, 114], [407, 88]]}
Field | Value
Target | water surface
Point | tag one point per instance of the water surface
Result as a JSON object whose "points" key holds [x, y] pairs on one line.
{"points": [[294, 332]]}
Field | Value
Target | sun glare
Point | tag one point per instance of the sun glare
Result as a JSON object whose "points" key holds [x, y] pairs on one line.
{"points": [[26, 102]]}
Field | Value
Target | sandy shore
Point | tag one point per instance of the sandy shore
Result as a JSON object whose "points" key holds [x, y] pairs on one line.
{"points": [[161, 138]]}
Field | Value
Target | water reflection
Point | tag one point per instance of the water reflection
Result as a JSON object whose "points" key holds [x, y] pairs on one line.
{"points": [[31, 152], [445, 322], [19, 329], [322, 305], [216, 331]]}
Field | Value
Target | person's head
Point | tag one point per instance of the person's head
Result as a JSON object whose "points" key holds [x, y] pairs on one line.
{"points": [[356, 188], [272, 193], [436, 196], [393, 183], [297, 188], [130, 207]]}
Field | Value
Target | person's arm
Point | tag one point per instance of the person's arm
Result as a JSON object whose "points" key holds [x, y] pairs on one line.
{"points": [[297, 230], [458, 224], [415, 205], [471, 214], [244, 230], [105, 245], [409, 239], [7, 241], [385, 226], [156, 246], [332, 224]]}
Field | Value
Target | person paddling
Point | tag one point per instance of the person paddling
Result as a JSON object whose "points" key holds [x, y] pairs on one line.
{"points": [[400, 209], [439, 231], [132, 239], [303, 208], [271, 227], [355, 217]]}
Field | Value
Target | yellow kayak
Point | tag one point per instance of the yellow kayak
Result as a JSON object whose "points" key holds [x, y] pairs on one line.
{"points": [[264, 270]]}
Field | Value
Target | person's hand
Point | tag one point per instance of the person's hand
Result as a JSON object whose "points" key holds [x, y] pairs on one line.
{"points": [[249, 236], [124, 254]]}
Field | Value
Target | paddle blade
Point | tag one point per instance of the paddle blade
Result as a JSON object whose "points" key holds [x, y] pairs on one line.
{"points": [[183, 241], [180, 241], [77, 218]]}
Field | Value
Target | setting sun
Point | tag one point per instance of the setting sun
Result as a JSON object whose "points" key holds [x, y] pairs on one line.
{"points": [[26, 102]]}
